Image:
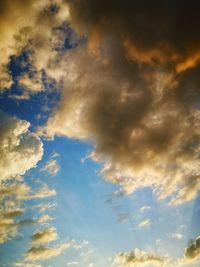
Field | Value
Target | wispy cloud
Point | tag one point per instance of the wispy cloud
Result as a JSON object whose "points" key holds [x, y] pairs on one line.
{"points": [[144, 223]]}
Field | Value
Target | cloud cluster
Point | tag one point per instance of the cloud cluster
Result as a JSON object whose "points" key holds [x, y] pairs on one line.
{"points": [[19, 31], [137, 258], [17, 144], [42, 252], [132, 89]]}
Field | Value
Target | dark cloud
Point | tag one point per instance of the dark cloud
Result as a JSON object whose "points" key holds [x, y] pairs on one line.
{"points": [[132, 90], [193, 249]]}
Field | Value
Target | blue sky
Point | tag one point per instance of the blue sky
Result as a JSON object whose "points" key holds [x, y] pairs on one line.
{"points": [[99, 141]]}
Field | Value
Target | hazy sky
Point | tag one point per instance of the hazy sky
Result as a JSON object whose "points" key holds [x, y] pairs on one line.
{"points": [[99, 133]]}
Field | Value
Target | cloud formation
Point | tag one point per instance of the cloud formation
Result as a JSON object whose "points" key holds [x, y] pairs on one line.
{"points": [[132, 89], [17, 144], [42, 253], [51, 167], [193, 249], [19, 31], [44, 236], [150, 69], [137, 258]]}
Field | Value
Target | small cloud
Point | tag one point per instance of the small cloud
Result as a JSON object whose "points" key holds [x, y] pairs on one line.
{"points": [[45, 206], [145, 208], [193, 249], [42, 252], [177, 236], [51, 167], [45, 218], [44, 192], [144, 223], [44, 236]]}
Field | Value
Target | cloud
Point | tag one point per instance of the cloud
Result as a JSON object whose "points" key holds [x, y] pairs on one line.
{"points": [[177, 236], [44, 236], [19, 30], [51, 167], [45, 218], [137, 258], [145, 208], [43, 207], [9, 222], [42, 253], [150, 78], [193, 249], [17, 144], [43, 192], [145, 223]]}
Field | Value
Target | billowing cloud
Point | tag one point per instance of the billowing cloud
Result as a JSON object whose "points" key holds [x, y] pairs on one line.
{"points": [[44, 236], [193, 249], [19, 30], [17, 144], [137, 258], [132, 89]]}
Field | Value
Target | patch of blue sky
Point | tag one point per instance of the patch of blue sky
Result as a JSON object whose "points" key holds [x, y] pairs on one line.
{"points": [[38, 107]]}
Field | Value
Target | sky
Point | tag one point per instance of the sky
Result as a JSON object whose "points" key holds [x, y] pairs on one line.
{"points": [[99, 133]]}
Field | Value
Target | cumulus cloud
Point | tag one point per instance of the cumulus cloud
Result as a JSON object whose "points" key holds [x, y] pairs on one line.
{"points": [[42, 253], [44, 236], [19, 30], [193, 249], [137, 258], [150, 78], [17, 144]]}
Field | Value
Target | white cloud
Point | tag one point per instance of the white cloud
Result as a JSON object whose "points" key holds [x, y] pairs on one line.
{"points": [[137, 258], [145, 208], [44, 192], [52, 167], [17, 144], [145, 223]]}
